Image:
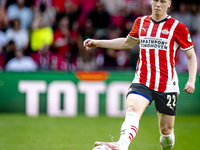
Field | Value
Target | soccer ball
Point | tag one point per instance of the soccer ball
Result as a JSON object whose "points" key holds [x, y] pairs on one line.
{"points": [[101, 147]]}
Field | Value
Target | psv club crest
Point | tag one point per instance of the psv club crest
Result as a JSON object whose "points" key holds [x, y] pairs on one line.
{"points": [[165, 31]]}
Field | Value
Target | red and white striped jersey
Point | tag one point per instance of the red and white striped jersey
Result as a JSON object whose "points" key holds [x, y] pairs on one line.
{"points": [[159, 43]]}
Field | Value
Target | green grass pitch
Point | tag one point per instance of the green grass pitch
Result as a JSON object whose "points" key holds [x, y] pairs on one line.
{"points": [[19, 132]]}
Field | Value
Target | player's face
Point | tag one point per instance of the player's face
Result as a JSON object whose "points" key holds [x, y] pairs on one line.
{"points": [[159, 7]]}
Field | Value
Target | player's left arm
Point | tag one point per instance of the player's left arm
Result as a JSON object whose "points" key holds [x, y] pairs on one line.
{"points": [[192, 68]]}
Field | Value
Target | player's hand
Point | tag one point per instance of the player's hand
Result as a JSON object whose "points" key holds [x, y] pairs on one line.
{"points": [[90, 43], [189, 87]]}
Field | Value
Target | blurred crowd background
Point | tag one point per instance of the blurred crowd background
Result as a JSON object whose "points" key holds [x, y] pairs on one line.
{"points": [[49, 34]]}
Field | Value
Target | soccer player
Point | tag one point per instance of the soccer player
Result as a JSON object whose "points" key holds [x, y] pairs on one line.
{"points": [[160, 37]]}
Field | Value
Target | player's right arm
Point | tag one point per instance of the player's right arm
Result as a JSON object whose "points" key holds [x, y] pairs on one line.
{"points": [[116, 44]]}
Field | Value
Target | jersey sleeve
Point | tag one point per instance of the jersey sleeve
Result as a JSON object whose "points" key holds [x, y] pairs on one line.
{"points": [[134, 33], [183, 37]]}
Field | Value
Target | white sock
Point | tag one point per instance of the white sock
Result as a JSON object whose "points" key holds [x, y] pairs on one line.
{"points": [[167, 141], [129, 129]]}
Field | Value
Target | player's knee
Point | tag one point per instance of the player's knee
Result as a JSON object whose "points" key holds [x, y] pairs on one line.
{"points": [[131, 105], [136, 104], [131, 108], [166, 130]]}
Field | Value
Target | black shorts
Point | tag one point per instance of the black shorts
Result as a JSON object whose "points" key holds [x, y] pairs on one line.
{"points": [[165, 102]]}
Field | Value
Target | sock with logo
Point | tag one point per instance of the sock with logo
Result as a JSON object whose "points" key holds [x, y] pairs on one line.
{"points": [[129, 129]]}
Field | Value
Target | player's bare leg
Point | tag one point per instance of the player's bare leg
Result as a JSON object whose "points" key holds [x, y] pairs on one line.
{"points": [[136, 105], [166, 125]]}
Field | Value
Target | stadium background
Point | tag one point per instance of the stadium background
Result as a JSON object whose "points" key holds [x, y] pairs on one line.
{"points": [[81, 113]]}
